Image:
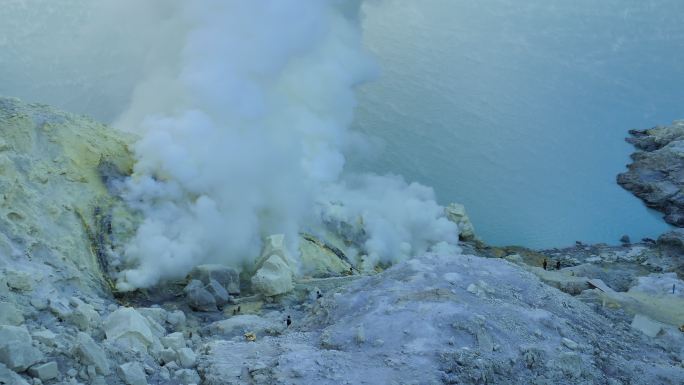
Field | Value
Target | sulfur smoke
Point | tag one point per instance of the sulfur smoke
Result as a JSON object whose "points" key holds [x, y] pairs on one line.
{"points": [[244, 108]]}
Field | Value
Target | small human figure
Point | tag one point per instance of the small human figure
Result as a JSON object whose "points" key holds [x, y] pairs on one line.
{"points": [[544, 264], [238, 309], [557, 265], [673, 288], [351, 270], [288, 321]]}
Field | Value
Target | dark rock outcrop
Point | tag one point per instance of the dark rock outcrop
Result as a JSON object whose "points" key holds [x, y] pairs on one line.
{"points": [[656, 174]]}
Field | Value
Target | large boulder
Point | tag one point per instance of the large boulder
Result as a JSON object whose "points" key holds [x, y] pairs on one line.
{"points": [[274, 268], [44, 372], [83, 315], [10, 315], [9, 377], [646, 325], [198, 297], [274, 277], [319, 259], [90, 353], [130, 329], [228, 277], [132, 373], [456, 213], [656, 174], [16, 348]]}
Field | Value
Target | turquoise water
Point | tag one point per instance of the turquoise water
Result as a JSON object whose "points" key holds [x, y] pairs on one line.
{"points": [[518, 109]]}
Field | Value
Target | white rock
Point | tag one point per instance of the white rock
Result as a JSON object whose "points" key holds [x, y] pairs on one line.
{"points": [[646, 325], [456, 213], [164, 374], [83, 316], [45, 371], [360, 334], [570, 344], [10, 315], [130, 329], [274, 277], [39, 303], [168, 355], [92, 372], [187, 358], [133, 374], [176, 318], [60, 307], [19, 280], [91, 354], [16, 349], [155, 314], [174, 341], [9, 377], [45, 337], [187, 376]]}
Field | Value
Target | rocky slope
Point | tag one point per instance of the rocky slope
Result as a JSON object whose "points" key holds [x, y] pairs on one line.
{"points": [[656, 174], [474, 315], [443, 319]]}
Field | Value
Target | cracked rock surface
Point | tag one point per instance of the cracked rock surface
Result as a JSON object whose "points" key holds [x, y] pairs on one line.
{"points": [[656, 174]]}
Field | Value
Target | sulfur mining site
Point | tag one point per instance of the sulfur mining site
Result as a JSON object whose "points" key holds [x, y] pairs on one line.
{"points": [[341, 192]]}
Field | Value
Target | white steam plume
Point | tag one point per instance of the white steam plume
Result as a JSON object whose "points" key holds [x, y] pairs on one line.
{"points": [[244, 119]]}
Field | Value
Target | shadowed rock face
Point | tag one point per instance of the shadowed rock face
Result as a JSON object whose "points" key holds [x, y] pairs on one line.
{"points": [[656, 174]]}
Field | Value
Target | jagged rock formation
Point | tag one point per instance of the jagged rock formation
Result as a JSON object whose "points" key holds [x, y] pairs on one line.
{"points": [[656, 174], [456, 213]]}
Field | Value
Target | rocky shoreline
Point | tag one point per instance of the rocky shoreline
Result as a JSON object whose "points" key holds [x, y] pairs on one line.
{"points": [[475, 314], [656, 174]]}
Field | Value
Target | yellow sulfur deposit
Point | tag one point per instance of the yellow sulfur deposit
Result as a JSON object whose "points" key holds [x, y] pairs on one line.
{"points": [[52, 189]]}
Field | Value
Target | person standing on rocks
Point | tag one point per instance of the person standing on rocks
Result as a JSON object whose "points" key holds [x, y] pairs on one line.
{"points": [[558, 265], [544, 264]]}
